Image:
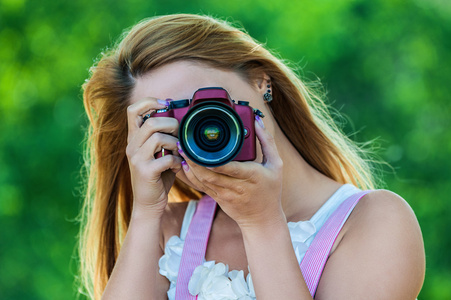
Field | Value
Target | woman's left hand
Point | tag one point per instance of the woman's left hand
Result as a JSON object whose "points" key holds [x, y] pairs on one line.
{"points": [[248, 192]]}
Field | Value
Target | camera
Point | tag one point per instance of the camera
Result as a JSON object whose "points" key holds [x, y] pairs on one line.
{"points": [[214, 129]]}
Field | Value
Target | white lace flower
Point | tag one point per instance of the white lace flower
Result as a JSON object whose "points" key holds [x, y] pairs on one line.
{"points": [[250, 283], [210, 281], [300, 232], [169, 263], [239, 285]]}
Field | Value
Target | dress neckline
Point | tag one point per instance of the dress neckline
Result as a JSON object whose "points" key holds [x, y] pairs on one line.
{"points": [[342, 193], [302, 233], [328, 207]]}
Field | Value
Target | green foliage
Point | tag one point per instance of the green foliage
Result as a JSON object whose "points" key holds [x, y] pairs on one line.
{"points": [[384, 63]]}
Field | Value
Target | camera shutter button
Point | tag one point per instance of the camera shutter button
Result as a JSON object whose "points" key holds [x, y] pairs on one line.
{"points": [[246, 103]]}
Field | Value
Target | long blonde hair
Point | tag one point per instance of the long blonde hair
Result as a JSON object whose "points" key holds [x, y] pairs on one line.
{"points": [[301, 115]]}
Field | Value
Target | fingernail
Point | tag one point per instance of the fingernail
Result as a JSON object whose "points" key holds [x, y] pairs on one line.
{"points": [[185, 166], [179, 148], [163, 102], [259, 121]]}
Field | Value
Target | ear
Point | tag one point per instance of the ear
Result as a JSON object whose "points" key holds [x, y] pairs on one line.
{"points": [[262, 83]]}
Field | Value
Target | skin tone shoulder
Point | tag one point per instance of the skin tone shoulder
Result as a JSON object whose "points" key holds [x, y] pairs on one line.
{"points": [[378, 255]]}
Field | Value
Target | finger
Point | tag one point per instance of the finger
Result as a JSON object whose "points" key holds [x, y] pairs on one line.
{"points": [[190, 176], [156, 143], [234, 169], [167, 162], [151, 126], [271, 156], [199, 176], [138, 109], [217, 186]]}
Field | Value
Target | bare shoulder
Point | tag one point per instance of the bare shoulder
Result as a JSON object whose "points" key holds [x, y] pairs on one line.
{"points": [[171, 222], [380, 253], [385, 207], [388, 216]]}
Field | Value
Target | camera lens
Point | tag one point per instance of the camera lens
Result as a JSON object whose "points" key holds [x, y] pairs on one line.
{"points": [[211, 134]]}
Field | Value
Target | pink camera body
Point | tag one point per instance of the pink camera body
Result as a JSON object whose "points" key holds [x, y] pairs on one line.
{"points": [[211, 123]]}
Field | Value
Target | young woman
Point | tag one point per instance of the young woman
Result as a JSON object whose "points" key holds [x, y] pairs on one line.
{"points": [[266, 215]]}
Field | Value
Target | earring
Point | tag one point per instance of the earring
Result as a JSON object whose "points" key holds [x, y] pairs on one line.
{"points": [[267, 96]]}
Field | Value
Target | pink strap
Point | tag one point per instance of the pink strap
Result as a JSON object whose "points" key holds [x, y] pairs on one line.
{"points": [[315, 258], [195, 245]]}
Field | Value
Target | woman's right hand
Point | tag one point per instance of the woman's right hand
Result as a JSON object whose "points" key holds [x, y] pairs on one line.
{"points": [[151, 178]]}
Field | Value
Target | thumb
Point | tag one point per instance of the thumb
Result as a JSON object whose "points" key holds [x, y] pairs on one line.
{"points": [[271, 156]]}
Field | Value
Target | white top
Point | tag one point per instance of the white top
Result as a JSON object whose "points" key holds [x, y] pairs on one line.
{"points": [[215, 281]]}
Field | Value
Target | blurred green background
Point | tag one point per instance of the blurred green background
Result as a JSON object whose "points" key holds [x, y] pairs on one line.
{"points": [[384, 63]]}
